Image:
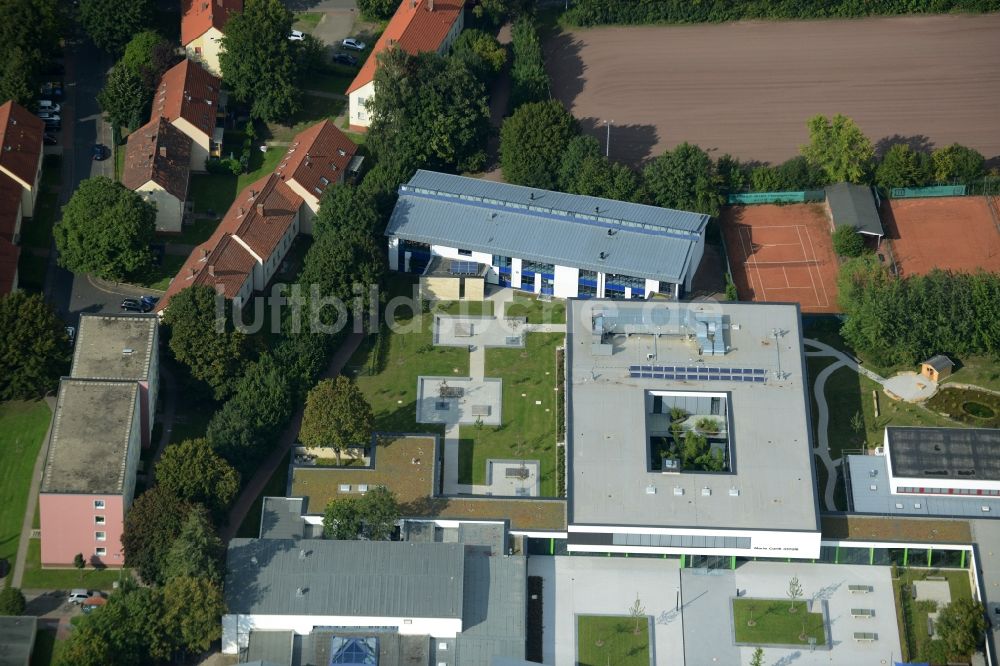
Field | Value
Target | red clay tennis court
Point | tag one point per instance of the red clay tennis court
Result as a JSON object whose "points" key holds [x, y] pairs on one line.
{"points": [[950, 233], [782, 254]]}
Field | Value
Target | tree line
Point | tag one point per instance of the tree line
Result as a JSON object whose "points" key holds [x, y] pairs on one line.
{"points": [[602, 12], [906, 320]]}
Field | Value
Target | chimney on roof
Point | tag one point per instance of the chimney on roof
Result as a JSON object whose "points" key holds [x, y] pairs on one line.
{"points": [[193, 271], [204, 254], [211, 270], [260, 209], [241, 211], [430, 5], [163, 151]]}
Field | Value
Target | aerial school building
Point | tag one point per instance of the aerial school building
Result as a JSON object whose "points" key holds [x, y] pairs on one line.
{"points": [[544, 242]]}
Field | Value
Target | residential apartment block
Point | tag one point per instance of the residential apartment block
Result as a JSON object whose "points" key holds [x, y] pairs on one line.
{"points": [[188, 97], [20, 176], [203, 24], [158, 167]]}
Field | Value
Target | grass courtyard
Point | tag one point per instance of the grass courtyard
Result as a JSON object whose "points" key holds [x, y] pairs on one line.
{"points": [[978, 409], [535, 310], [529, 413], [774, 624], [911, 614], [604, 639], [22, 428], [35, 577]]}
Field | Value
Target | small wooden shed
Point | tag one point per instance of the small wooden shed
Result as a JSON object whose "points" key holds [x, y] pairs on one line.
{"points": [[937, 367]]}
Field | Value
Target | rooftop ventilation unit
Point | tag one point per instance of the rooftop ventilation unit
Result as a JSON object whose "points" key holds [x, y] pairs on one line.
{"points": [[678, 491], [734, 492], [300, 592], [706, 492], [128, 351], [650, 489]]}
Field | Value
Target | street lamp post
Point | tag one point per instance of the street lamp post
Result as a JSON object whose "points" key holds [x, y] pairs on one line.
{"points": [[607, 148]]}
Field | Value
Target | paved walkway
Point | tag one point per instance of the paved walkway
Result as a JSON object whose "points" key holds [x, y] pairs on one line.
{"points": [[255, 486], [29, 512], [827, 350]]}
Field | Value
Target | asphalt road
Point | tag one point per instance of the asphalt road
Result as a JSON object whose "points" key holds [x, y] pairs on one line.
{"points": [[86, 66]]}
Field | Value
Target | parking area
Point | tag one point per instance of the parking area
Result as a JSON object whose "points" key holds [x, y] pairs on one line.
{"points": [[782, 254]]}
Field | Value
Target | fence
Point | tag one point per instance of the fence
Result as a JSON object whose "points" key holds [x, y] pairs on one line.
{"points": [[775, 197], [932, 191]]}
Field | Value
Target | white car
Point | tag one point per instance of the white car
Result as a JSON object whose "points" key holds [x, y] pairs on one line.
{"points": [[296, 36], [78, 596], [49, 105], [353, 44]]}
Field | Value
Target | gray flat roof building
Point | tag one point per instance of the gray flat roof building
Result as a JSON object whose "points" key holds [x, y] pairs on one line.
{"points": [[17, 639], [854, 206], [583, 232], [93, 430], [353, 578], [114, 347], [944, 455], [742, 363]]}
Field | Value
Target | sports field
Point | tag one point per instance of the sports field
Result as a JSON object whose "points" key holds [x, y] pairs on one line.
{"points": [[782, 254], [951, 233], [748, 88]]}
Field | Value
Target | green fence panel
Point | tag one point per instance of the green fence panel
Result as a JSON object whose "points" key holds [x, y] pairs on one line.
{"points": [[767, 197], [933, 191]]}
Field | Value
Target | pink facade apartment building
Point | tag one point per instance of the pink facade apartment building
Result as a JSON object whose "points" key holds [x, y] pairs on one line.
{"points": [[90, 468]]}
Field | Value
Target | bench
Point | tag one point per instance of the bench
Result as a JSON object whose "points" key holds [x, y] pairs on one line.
{"points": [[481, 410], [859, 589], [865, 636], [862, 612], [935, 578], [463, 330]]}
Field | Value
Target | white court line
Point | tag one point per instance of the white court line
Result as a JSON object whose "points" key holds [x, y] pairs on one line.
{"points": [[822, 282], [798, 231], [743, 242], [785, 273]]}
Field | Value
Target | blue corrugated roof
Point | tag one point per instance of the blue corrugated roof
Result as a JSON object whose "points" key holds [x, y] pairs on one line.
{"points": [[550, 227]]}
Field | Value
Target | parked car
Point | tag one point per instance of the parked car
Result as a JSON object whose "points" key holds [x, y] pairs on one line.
{"points": [[345, 59], [49, 115], [49, 105], [71, 334], [149, 301], [78, 595], [54, 125], [50, 139], [51, 89], [296, 36], [133, 305], [100, 152], [353, 44]]}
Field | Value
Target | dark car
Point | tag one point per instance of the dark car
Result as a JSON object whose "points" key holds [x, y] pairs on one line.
{"points": [[133, 305], [50, 139], [101, 152], [149, 302], [345, 59]]}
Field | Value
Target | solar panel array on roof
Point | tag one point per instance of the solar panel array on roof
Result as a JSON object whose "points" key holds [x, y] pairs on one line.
{"points": [[464, 268], [699, 373]]}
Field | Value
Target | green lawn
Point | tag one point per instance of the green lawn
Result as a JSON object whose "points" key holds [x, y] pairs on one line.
{"points": [[214, 192], [192, 415], [975, 408], [313, 110], [193, 234], [537, 311], [276, 487], [31, 271], [529, 429], [306, 20], [334, 80], [35, 577], [465, 308], [22, 428], [911, 615], [774, 624], [392, 387], [604, 639], [159, 277], [978, 370]]}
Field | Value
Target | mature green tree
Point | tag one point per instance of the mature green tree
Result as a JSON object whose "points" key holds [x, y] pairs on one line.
{"points": [[203, 338], [342, 519], [151, 526], [497, 11], [378, 10], [106, 230], [337, 262], [847, 242], [379, 512], [529, 82], [840, 148], [112, 23], [734, 176], [790, 176], [430, 109], [336, 416], [12, 601], [34, 349], [532, 143], [960, 625], [585, 170], [193, 471], [148, 55], [758, 657], [257, 60], [901, 166], [684, 178], [126, 631], [303, 356], [957, 164], [192, 612], [34, 26], [17, 75], [481, 51], [125, 98], [579, 150], [346, 209], [197, 551]]}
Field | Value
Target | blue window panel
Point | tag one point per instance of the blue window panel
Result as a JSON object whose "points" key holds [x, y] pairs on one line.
{"points": [[713, 371], [647, 375], [668, 376], [724, 378], [657, 375], [504, 270], [759, 371], [647, 368], [633, 368], [759, 379]]}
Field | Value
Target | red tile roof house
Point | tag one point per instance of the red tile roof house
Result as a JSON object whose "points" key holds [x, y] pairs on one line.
{"points": [[158, 167], [417, 26], [318, 157], [21, 153], [90, 468], [203, 23], [249, 244], [188, 98]]}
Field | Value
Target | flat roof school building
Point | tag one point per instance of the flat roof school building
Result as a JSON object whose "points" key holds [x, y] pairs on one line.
{"points": [[563, 245], [647, 379]]}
